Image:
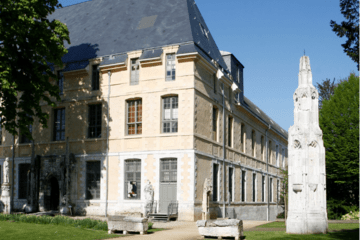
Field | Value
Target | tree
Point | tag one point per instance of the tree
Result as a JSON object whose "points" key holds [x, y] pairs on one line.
{"points": [[349, 28], [284, 191], [28, 44], [339, 121], [326, 90]]}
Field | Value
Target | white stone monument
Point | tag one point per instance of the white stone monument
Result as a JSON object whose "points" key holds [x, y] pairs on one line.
{"points": [[307, 180], [206, 199], [6, 188], [149, 198]]}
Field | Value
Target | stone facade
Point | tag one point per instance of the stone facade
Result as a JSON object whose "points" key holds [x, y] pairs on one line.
{"points": [[89, 174]]}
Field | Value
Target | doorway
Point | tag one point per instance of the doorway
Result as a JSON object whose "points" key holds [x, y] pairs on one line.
{"points": [[168, 183], [53, 198]]}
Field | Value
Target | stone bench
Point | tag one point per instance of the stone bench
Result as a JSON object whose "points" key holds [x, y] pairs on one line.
{"points": [[221, 228], [127, 224]]}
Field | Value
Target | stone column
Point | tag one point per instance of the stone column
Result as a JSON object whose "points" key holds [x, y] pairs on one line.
{"points": [[307, 181], [6, 188]]}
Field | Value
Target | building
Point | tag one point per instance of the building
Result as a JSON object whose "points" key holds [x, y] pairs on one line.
{"points": [[146, 95]]}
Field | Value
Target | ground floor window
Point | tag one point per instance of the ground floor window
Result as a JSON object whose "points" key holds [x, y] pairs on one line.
{"points": [[93, 180], [24, 174], [271, 190], [243, 185], [133, 179], [231, 184], [254, 188], [263, 189], [215, 182]]}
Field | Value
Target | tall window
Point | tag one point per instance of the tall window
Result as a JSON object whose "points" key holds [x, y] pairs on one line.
{"points": [[132, 179], [269, 151], [277, 155], [243, 186], [283, 157], [170, 114], [231, 182], [61, 82], [170, 67], [242, 137], [95, 77], [262, 148], [254, 187], [271, 190], [263, 189], [59, 124], [214, 124], [24, 175], [214, 82], [253, 142], [134, 117], [24, 138], [230, 124], [134, 77], [93, 180], [94, 129], [215, 182], [168, 172]]}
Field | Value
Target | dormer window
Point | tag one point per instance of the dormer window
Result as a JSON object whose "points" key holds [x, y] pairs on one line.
{"points": [[134, 78], [95, 77], [170, 67], [61, 82]]}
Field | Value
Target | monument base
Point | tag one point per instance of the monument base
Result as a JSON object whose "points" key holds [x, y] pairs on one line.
{"points": [[307, 223], [5, 198], [28, 208]]}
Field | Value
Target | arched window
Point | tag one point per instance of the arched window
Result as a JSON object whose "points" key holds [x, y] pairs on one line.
{"points": [[170, 114], [134, 117], [132, 179]]}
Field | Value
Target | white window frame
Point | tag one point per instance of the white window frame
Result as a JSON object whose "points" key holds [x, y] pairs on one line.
{"points": [[170, 66], [134, 71], [136, 115], [172, 119]]}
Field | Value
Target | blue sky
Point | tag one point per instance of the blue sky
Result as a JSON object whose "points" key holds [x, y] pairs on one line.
{"points": [[269, 37]]}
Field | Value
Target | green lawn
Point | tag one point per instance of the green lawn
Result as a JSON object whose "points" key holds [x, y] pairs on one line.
{"points": [[332, 226], [30, 231], [344, 235]]}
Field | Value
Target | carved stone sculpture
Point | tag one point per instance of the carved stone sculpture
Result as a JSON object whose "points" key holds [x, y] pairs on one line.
{"points": [[307, 183], [149, 198], [206, 199], [6, 188], [6, 170]]}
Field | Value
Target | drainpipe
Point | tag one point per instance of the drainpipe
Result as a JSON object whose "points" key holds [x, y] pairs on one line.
{"points": [[224, 151], [107, 145], [267, 172], [12, 180]]}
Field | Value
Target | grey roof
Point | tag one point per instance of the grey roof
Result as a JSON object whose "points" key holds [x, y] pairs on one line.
{"points": [[121, 58], [155, 53], [259, 113], [105, 27]]}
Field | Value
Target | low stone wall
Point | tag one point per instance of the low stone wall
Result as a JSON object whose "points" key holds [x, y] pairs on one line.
{"points": [[127, 224], [221, 228]]}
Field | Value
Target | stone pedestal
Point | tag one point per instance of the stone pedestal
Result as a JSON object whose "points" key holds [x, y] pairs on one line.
{"points": [[307, 181], [5, 197], [64, 210], [127, 224]]}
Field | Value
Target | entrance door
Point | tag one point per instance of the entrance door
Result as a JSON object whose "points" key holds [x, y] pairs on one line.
{"points": [[54, 194], [168, 181]]}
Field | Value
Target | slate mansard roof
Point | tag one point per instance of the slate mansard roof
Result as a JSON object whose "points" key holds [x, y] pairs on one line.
{"points": [[109, 27]]}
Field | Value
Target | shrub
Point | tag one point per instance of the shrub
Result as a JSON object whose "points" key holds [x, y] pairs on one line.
{"points": [[150, 224]]}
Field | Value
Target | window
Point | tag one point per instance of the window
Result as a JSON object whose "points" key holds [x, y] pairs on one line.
{"points": [[277, 155], [134, 77], [262, 148], [254, 188], [170, 67], [253, 142], [242, 139], [214, 124], [214, 82], [283, 157], [59, 124], [132, 179], [230, 124], [61, 82], [243, 186], [170, 115], [95, 77], [24, 138], [215, 182], [270, 190], [168, 172], [263, 189], [231, 182], [94, 129], [93, 180], [134, 118], [269, 152], [24, 180]]}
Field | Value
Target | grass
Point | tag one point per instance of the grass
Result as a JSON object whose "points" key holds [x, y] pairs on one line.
{"points": [[18, 230], [332, 226]]}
